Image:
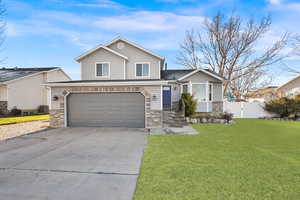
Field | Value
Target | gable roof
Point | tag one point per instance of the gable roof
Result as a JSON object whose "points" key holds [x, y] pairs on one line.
{"points": [[135, 45], [115, 52], [10, 74], [206, 71], [97, 48], [175, 74], [293, 79], [180, 74]]}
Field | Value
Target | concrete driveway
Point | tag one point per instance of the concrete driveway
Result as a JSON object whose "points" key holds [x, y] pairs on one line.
{"points": [[72, 163]]}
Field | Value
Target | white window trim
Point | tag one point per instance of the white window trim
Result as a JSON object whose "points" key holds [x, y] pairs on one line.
{"points": [[181, 88], [124, 69], [142, 63], [108, 69]]}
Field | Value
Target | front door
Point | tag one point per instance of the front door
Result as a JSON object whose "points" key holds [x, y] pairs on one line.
{"points": [[167, 97]]}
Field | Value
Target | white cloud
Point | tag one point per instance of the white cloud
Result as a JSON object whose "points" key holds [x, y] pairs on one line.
{"points": [[274, 2], [144, 21], [44, 28], [161, 30], [102, 4], [11, 29], [62, 17]]}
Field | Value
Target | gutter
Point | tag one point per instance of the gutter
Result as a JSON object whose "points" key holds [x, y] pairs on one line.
{"points": [[107, 83]]}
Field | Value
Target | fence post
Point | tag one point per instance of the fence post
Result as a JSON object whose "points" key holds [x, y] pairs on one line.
{"points": [[242, 109]]}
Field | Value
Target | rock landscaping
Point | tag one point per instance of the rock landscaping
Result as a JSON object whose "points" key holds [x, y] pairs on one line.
{"points": [[282, 118], [220, 118]]}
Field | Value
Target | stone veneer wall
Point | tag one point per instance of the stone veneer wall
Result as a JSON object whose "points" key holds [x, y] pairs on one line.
{"points": [[217, 106], [3, 107], [57, 118], [153, 117]]}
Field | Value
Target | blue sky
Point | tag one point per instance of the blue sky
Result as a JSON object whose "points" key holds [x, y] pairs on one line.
{"points": [[53, 32]]}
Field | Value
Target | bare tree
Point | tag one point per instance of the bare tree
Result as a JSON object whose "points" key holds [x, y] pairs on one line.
{"points": [[251, 81], [295, 45], [2, 24], [289, 69], [228, 46]]}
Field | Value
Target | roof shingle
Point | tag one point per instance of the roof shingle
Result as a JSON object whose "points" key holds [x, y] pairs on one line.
{"points": [[8, 74]]}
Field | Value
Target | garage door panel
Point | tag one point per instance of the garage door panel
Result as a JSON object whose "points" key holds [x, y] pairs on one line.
{"points": [[106, 109]]}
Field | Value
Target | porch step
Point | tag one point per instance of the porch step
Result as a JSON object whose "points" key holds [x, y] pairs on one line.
{"points": [[174, 119]]}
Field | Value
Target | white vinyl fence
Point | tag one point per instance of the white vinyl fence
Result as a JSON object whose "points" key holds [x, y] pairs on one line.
{"points": [[246, 109]]}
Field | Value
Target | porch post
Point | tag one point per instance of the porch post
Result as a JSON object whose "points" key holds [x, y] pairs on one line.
{"points": [[190, 88], [207, 95]]}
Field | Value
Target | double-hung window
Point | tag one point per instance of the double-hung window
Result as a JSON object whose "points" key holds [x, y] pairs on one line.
{"points": [[102, 69], [142, 69]]}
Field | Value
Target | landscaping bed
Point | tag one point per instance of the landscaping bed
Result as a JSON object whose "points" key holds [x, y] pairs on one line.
{"points": [[217, 118], [21, 119], [253, 159]]}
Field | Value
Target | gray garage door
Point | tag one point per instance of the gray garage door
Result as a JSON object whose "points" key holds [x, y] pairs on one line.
{"points": [[106, 110]]}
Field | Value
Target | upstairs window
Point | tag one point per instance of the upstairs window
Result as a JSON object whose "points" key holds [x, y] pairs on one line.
{"points": [[102, 69], [142, 69]]}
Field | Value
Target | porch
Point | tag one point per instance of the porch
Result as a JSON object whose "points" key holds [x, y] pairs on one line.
{"points": [[209, 95]]}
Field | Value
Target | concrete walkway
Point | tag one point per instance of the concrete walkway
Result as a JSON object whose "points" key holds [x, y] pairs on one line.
{"points": [[186, 130], [72, 163]]}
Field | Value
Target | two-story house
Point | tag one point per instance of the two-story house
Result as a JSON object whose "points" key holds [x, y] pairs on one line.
{"points": [[125, 85]]}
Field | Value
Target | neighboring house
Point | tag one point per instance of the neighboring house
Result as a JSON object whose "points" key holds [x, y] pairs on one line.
{"points": [[291, 88], [262, 95], [125, 85], [22, 87]]}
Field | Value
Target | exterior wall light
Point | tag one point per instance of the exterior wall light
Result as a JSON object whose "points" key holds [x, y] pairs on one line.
{"points": [[154, 97], [55, 98]]}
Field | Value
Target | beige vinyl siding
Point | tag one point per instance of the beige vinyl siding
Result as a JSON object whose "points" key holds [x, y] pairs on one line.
{"points": [[217, 92], [57, 75], [3, 93], [175, 92], [27, 93], [290, 86], [88, 65], [136, 55], [56, 91], [155, 91]]}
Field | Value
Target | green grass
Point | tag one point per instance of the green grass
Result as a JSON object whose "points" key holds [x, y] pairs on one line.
{"points": [[253, 159], [14, 120]]}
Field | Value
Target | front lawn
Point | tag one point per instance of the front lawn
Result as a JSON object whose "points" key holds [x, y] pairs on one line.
{"points": [[254, 159], [14, 120]]}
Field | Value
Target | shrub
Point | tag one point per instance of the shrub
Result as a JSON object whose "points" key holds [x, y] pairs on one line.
{"points": [[190, 104], [15, 112], [227, 116], [284, 107]]}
